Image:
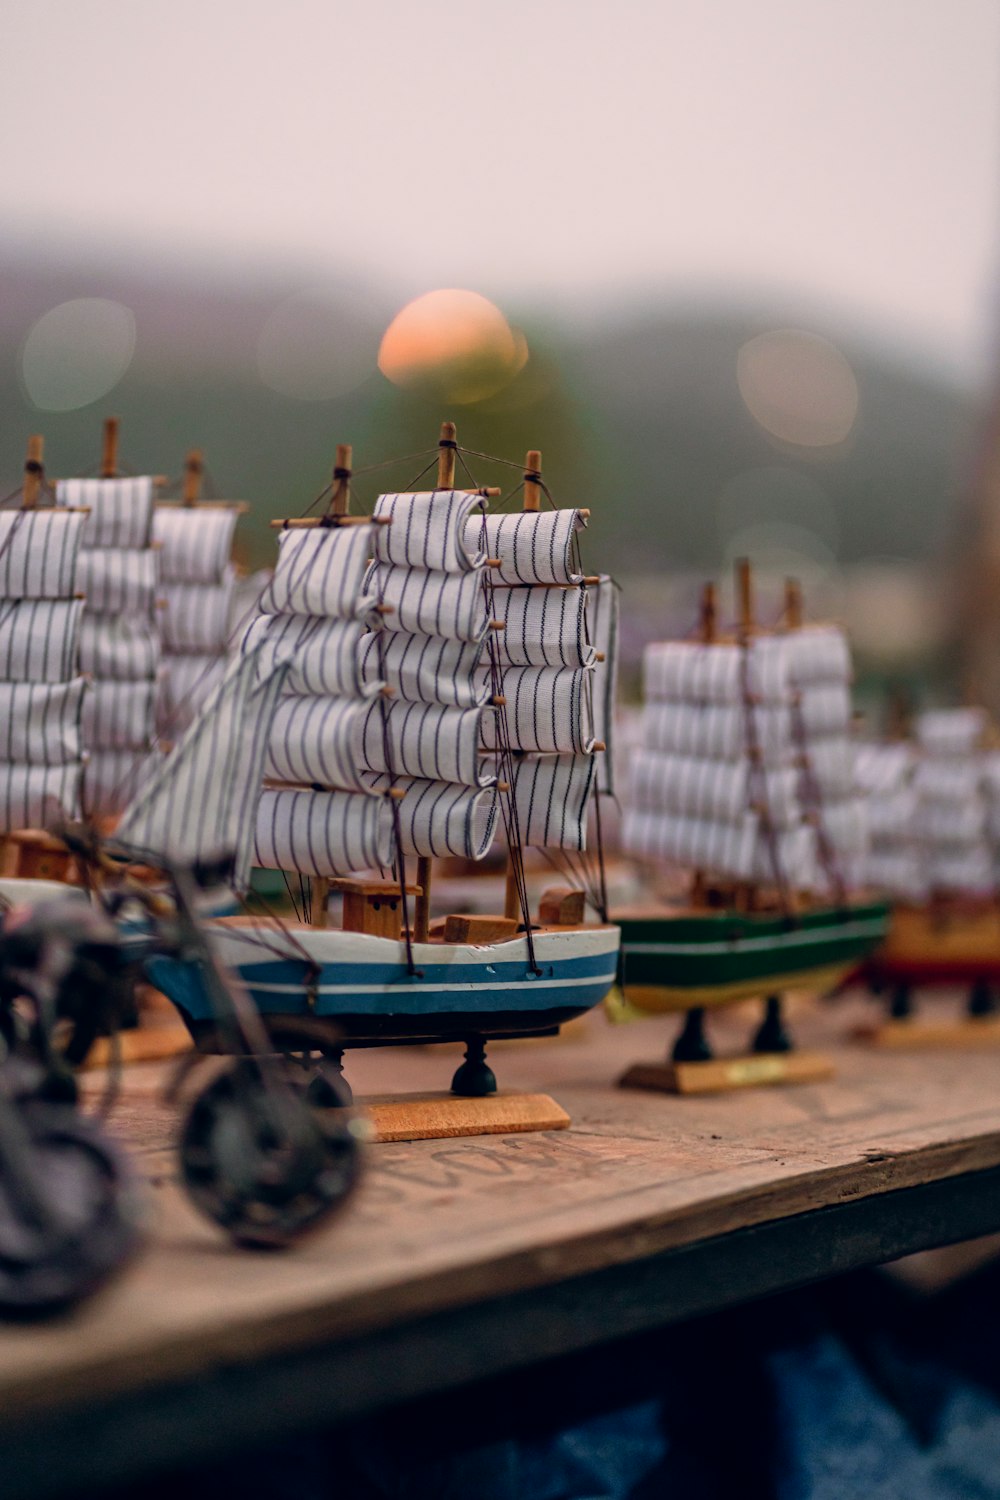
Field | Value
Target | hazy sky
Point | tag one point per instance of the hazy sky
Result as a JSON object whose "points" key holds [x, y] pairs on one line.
{"points": [[535, 150]]}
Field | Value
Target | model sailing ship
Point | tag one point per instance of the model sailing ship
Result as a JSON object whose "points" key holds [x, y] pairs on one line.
{"points": [[419, 712], [934, 809], [745, 780], [42, 688]]}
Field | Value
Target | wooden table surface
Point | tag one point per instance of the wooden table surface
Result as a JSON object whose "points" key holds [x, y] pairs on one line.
{"points": [[469, 1257]]}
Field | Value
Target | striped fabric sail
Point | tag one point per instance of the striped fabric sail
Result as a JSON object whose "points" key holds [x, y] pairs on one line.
{"points": [[117, 715], [197, 591], [121, 510], [534, 546], [40, 722], [190, 682], [543, 627], [119, 582], [952, 823], [438, 818], [424, 668], [452, 606], [195, 542], [429, 740], [312, 626], [39, 639], [112, 777], [194, 617], [118, 573], [39, 553], [432, 531], [706, 788], [819, 668], [322, 833], [884, 775], [317, 739], [41, 691], [718, 752], [552, 796], [548, 710], [320, 572], [33, 796], [217, 768], [717, 673], [325, 656], [737, 850], [118, 648]]}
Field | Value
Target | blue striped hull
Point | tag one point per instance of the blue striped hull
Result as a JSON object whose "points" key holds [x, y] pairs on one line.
{"points": [[364, 991]]}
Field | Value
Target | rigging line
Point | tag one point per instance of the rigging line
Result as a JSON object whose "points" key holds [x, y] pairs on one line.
{"points": [[508, 800], [602, 874], [829, 856], [397, 820], [757, 781], [403, 458], [505, 499]]}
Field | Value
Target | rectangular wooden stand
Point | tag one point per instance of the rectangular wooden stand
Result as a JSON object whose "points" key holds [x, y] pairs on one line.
{"points": [[438, 1116], [914, 1035], [720, 1074]]}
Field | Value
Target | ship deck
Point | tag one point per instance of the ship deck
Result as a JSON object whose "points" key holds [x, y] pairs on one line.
{"points": [[463, 1266]]}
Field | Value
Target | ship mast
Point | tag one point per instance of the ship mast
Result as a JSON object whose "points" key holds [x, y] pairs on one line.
{"points": [[445, 481]]}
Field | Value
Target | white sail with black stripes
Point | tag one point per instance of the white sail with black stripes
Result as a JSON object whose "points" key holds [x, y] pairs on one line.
{"points": [[197, 585], [430, 624], [820, 671], [716, 784], [553, 666], [199, 805], [317, 815], [119, 643], [42, 691]]}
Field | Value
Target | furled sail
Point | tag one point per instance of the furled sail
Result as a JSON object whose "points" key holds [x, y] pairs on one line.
{"points": [[716, 784], [317, 815], [119, 647], [547, 668], [41, 690], [430, 633], [819, 667], [953, 803], [215, 769], [197, 586]]}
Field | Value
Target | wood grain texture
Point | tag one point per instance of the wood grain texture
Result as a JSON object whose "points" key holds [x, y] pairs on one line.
{"points": [[965, 1033], [441, 1116], [438, 1226]]}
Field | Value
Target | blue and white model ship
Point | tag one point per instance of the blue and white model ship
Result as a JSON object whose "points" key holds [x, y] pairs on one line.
{"points": [[414, 681]]}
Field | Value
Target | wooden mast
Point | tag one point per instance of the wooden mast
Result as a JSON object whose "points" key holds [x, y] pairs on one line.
{"points": [[532, 502], [320, 885], [445, 481], [194, 468], [794, 611], [109, 448], [34, 469]]}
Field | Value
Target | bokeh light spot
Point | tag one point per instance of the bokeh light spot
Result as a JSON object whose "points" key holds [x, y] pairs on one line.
{"points": [[76, 353], [311, 350], [798, 386], [452, 345]]}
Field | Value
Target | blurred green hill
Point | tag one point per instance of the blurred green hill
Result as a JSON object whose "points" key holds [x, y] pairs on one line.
{"points": [[638, 416]]}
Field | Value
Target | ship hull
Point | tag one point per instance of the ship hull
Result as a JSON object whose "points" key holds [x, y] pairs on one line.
{"points": [[674, 962], [364, 994], [955, 944]]}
